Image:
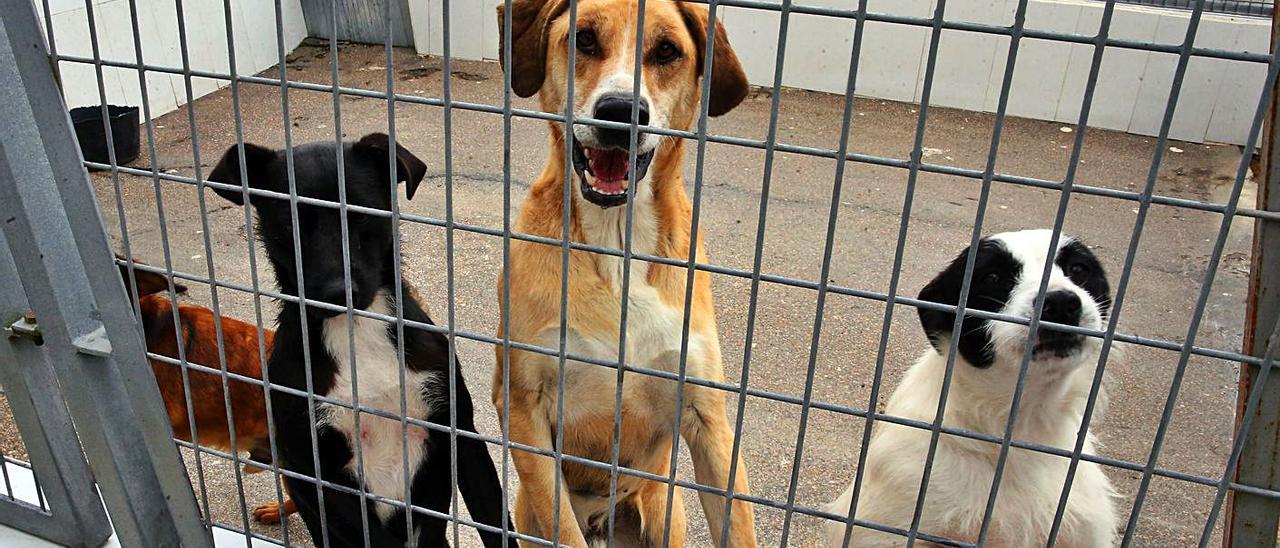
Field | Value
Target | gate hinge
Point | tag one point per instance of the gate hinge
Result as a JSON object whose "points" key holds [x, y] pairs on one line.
{"points": [[93, 343], [25, 326]]}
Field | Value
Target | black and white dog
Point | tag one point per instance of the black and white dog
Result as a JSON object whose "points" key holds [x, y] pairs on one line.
{"points": [[1006, 279], [376, 367]]}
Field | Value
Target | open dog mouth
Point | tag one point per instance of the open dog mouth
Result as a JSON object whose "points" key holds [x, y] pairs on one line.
{"points": [[604, 172]]}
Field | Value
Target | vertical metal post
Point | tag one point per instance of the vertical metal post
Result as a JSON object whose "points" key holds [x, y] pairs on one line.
{"points": [[1254, 520], [75, 516], [60, 248]]}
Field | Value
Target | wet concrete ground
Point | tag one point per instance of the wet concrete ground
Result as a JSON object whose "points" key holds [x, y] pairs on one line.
{"points": [[1167, 276]]}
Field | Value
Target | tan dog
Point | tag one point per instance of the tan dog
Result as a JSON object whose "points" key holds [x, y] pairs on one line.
{"points": [[674, 46]]}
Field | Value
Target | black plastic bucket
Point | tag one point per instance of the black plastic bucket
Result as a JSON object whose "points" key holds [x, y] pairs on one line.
{"points": [[93, 137]]}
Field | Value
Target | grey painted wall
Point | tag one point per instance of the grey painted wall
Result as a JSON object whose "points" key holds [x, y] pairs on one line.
{"points": [[359, 20]]}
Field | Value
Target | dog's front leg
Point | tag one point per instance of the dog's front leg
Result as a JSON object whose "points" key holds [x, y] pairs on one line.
{"points": [[706, 431], [530, 426]]}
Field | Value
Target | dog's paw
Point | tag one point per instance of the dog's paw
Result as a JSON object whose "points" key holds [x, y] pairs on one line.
{"points": [[269, 513]]}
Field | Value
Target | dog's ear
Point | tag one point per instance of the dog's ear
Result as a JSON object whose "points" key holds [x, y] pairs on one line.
{"points": [[409, 169], [529, 22], [936, 323], [148, 282], [228, 170], [729, 84]]}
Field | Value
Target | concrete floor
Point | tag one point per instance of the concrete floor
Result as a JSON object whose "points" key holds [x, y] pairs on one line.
{"points": [[1166, 280]]}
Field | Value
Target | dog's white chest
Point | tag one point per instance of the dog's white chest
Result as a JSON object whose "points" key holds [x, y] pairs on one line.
{"points": [[653, 341], [653, 328], [376, 371], [608, 228]]}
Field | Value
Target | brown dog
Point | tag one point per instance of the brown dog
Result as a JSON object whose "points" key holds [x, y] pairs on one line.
{"points": [[200, 345], [674, 45]]}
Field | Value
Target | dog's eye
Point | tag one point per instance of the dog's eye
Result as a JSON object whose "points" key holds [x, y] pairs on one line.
{"points": [[1078, 270], [666, 52], [587, 41], [991, 278]]}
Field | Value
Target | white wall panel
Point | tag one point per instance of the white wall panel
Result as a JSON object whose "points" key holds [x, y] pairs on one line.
{"points": [[966, 59], [1237, 99], [1217, 102], [255, 49], [1041, 69], [1199, 88]]}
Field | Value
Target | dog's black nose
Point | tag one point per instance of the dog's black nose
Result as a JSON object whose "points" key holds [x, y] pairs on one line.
{"points": [[1062, 307], [617, 108]]}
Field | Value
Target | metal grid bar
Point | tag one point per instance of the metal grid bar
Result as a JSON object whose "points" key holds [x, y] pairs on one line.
{"points": [[858, 413], [8, 485], [1211, 271], [127, 247], [870, 159], [757, 260], [914, 165], [259, 332], [301, 286], [1242, 435], [562, 341], [854, 57], [916, 155], [345, 230], [398, 274], [451, 291], [1256, 8], [690, 273], [1249, 520], [707, 267], [760, 393], [1131, 255], [209, 267], [1058, 222], [628, 231], [984, 195], [504, 327], [168, 262]]}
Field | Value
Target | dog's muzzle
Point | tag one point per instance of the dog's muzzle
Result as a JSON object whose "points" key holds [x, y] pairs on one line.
{"points": [[1057, 344], [1062, 307], [335, 293], [604, 167]]}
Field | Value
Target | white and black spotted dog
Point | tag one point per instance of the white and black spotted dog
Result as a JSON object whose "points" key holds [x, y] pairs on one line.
{"points": [[1006, 279], [389, 451]]}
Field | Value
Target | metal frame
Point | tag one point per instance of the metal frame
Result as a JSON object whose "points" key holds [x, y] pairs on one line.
{"points": [[68, 510], [1251, 8], [61, 254], [1249, 480], [1253, 520]]}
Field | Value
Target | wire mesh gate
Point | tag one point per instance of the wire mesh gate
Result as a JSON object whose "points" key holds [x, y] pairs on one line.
{"points": [[140, 476]]}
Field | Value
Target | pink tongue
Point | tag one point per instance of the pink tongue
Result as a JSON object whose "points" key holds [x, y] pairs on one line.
{"points": [[608, 166]]}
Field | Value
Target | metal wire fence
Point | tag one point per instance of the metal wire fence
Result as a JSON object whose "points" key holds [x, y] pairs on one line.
{"points": [[15, 456], [205, 460], [1256, 8]]}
